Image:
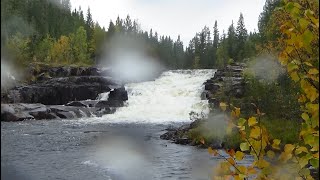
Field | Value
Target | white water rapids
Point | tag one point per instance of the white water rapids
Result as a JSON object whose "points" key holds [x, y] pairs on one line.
{"points": [[169, 98]]}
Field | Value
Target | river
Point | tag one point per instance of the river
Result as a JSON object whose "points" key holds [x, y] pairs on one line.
{"points": [[120, 146]]}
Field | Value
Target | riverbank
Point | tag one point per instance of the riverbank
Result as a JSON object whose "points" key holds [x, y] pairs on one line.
{"points": [[227, 85]]}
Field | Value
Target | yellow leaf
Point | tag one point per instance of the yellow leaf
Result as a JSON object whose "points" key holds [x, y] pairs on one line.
{"points": [[223, 106], [300, 150], [239, 155], [305, 116], [283, 58], [251, 170], [288, 148], [295, 77], [202, 141], [252, 121], [242, 169], [237, 177], [284, 157], [212, 151], [242, 176], [233, 114], [231, 161], [307, 63], [255, 132], [302, 99], [262, 163], [237, 112], [276, 143], [313, 71]]}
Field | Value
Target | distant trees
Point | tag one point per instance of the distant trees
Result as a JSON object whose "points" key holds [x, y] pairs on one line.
{"points": [[48, 31], [236, 45]]}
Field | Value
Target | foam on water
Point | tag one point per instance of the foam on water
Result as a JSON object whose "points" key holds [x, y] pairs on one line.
{"points": [[170, 98]]}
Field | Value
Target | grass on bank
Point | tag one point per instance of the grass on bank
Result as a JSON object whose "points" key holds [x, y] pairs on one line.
{"points": [[286, 130]]}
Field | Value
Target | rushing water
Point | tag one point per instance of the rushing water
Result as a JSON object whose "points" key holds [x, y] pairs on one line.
{"points": [[120, 146], [168, 99]]}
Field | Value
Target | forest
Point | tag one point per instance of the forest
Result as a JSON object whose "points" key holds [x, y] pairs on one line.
{"points": [[51, 32]]}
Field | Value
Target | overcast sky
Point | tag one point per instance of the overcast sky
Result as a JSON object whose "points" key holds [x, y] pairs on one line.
{"points": [[175, 17]]}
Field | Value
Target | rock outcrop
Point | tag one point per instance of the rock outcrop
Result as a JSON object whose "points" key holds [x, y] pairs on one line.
{"points": [[227, 82], [60, 90], [64, 92]]}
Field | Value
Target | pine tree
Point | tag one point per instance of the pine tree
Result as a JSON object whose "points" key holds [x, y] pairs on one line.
{"points": [[241, 34], [231, 42], [215, 42]]}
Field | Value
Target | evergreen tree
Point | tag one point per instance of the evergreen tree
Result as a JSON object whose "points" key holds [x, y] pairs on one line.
{"points": [[241, 34], [215, 41], [231, 42]]}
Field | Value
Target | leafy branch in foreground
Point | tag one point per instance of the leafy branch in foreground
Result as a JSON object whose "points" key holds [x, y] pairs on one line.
{"points": [[300, 56]]}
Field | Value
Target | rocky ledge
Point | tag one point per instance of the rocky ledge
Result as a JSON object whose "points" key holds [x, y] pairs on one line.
{"points": [[227, 83], [63, 92]]}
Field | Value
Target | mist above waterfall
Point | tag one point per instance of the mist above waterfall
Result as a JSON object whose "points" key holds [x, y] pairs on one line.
{"points": [[129, 60], [9, 75]]}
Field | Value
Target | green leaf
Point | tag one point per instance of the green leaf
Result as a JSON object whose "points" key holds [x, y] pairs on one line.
{"points": [[305, 172], [241, 121], [289, 6], [292, 66], [270, 154], [303, 23], [314, 162], [307, 37], [244, 146], [297, 5]]}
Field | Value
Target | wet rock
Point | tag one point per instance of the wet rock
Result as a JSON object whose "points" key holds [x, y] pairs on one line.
{"points": [[76, 103], [41, 113], [211, 87], [66, 114], [9, 112], [168, 135], [182, 141], [118, 94]]}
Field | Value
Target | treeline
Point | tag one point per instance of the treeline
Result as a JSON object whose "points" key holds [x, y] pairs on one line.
{"points": [[205, 51], [50, 31]]}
